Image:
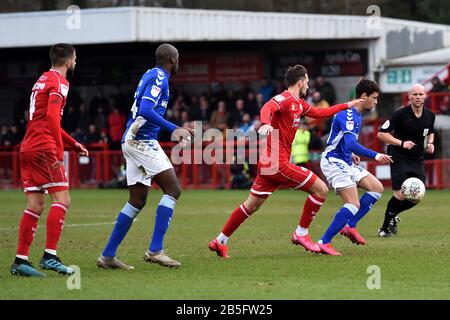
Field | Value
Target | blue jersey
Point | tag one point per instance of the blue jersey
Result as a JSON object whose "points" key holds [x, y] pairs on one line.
{"points": [[344, 122], [154, 87]]}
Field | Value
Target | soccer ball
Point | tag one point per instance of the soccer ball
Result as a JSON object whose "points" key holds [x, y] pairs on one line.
{"points": [[413, 189]]}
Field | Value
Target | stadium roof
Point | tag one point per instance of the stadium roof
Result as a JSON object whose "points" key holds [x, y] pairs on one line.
{"points": [[144, 24], [439, 56]]}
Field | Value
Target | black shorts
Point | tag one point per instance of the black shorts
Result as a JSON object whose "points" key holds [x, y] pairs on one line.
{"points": [[404, 169]]}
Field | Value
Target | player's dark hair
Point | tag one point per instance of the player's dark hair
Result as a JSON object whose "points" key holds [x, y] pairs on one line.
{"points": [[366, 86], [60, 53], [294, 74]]}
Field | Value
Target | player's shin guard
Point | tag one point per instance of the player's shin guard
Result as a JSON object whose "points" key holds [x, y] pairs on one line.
{"points": [[164, 214], [55, 224], [340, 219], [312, 206], [123, 224], [394, 207], [367, 200], [27, 230], [235, 220]]}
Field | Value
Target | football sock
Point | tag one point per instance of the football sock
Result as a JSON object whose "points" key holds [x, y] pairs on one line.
{"points": [[394, 207], [367, 200], [222, 239], [27, 230], [234, 221], [123, 224], [164, 213], [301, 231], [345, 213], [312, 206], [55, 224]]}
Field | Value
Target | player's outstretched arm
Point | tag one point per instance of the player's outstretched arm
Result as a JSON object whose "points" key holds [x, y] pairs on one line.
{"points": [[318, 113], [355, 147]]}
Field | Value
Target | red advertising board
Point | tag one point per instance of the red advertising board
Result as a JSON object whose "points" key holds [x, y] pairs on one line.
{"points": [[221, 67]]}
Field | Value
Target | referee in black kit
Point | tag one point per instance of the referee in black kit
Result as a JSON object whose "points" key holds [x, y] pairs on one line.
{"points": [[410, 126]]}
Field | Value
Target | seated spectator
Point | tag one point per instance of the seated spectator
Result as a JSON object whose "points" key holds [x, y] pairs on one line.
{"points": [[79, 136], [238, 113], [260, 101], [93, 136], [444, 105], [84, 119], [438, 85], [247, 124], [266, 90], [251, 106], [317, 101], [220, 115], [116, 122], [205, 111], [326, 90]]}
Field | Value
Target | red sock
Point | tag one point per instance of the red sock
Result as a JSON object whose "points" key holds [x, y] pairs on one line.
{"points": [[55, 224], [310, 209], [234, 221], [27, 230]]}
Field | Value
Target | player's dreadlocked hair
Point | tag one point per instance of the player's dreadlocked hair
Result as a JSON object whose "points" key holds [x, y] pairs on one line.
{"points": [[366, 86], [60, 53], [294, 74]]}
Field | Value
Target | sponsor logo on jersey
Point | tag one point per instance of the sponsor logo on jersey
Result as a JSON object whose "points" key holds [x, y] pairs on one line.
{"points": [[43, 78], [279, 98], [386, 125], [38, 86], [425, 132], [349, 125], [64, 90], [164, 103], [155, 91]]}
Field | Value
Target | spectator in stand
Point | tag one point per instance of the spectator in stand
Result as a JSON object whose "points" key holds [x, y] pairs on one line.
{"points": [[104, 137], [70, 119], [205, 111], [438, 85], [14, 136], [84, 119], [266, 90], [260, 101], [444, 105], [93, 136], [231, 99], [100, 119], [116, 123], [4, 137], [247, 124], [317, 101], [99, 101], [326, 90], [79, 135], [194, 107], [238, 113], [220, 116], [251, 106]]}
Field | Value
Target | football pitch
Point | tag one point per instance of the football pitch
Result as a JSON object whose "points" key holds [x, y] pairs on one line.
{"points": [[264, 264]]}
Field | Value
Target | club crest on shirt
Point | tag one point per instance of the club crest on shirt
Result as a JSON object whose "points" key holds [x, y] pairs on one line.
{"points": [[155, 91], [425, 132], [350, 125], [386, 125]]}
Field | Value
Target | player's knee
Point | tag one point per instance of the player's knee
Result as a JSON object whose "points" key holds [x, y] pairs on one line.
{"points": [[321, 191], [138, 202], [37, 207], [174, 192], [66, 203]]}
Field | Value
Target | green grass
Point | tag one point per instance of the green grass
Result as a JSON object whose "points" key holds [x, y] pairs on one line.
{"points": [[263, 264]]}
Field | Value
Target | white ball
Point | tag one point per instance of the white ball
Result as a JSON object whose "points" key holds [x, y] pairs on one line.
{"points": [[413, 189]]}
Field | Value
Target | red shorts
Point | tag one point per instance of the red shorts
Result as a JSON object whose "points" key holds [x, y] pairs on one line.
{"points": [[38, 173], [288, 175]]}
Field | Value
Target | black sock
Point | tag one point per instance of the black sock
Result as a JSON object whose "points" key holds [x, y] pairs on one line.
{"points": [[19, 261], [394, 207], [48, 255]]}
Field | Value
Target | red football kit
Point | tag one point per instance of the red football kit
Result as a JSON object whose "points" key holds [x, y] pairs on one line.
{"points": [[42, 149], [283, 113]]}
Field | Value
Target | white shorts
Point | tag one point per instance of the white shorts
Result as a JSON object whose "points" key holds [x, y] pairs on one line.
{"points": [[340, 175], [144, 161]]}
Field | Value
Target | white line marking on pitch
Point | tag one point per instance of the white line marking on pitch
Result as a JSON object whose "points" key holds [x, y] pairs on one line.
{"points": [[71, 225]]}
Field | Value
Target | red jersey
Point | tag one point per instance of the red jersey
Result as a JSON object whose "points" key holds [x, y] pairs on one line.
{"points": [[283, 113], [38, 135]]}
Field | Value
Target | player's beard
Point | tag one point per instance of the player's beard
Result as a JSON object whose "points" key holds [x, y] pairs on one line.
{"points": [[303, 94]]}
